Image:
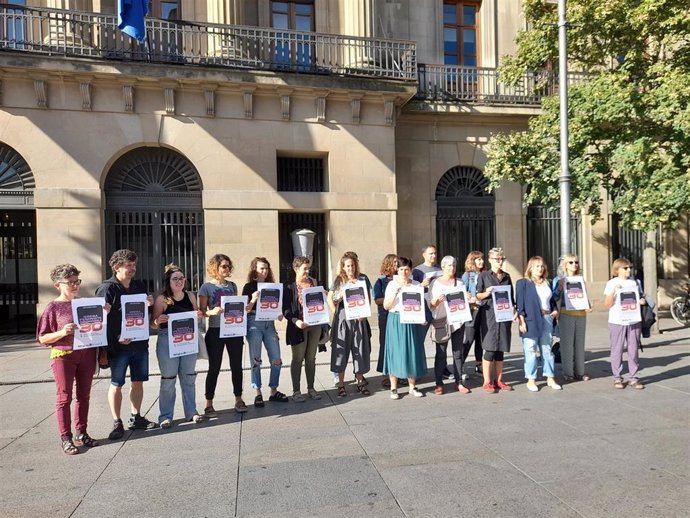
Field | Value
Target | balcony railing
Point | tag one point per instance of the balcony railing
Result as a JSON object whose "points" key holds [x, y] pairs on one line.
{"points": [[450, 83], [73, 33]]}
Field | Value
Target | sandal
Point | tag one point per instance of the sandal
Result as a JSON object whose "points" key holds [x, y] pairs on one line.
{"points": [[69, 448], [85, 440], [362, 389], [259, 401], [342, 392], [278, 397]]}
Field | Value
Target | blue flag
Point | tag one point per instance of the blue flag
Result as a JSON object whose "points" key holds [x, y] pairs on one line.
{"points": [[130, 17]]}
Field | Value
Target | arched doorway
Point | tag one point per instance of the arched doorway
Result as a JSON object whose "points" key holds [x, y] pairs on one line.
{"points": [[18, 275], [465, 213], [153, 207]]}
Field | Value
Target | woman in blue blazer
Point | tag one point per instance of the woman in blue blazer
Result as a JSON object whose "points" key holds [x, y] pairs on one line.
{"points": [[537, 311]]}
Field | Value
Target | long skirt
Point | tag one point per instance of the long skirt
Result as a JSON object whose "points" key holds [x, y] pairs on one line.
{"points": [[405, 356]]}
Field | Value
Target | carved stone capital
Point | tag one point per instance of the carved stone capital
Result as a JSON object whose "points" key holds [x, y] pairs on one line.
{"points": [[85, 89], [169, 96], [321, 108], [128, 97], [248, 99], [389, 111], [356, 104], [41, 90], [210, 97]]}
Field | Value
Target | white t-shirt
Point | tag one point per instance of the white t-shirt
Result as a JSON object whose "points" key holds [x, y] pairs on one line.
{"points": [[436, 289], [392, 287], [545, 293], [628, 285]]}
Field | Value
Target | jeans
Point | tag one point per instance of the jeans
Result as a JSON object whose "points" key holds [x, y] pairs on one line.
{"points": [[137, 359], [171, 368], [258, 331], [531, 347]]}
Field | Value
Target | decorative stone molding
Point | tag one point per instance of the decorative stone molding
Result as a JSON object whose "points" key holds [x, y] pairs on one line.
{"points": [[41, 90], [248, 99], [169, 96], [128, 97], [210, 97], [389, 111], [356, 103], [285, 107], [85, 88], [321, 108]]}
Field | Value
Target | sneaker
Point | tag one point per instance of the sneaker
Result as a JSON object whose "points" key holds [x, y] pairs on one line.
{"points": [[297, 397], [138, 422], [618, 384], [416, 393], [240, 407], [166, 423], [585, 377], [336, 379], [489, 387], [313, 394], [503, 386], [636, 385], [118, 431], [532, 386], [552, 383], [394, 394], [209, 412]]}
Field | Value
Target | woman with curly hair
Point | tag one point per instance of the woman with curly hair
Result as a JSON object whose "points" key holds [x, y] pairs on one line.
{"points": [[389, 267], [474, 265], [56, 329], [219, 270], [259, 331], [174, 299]]}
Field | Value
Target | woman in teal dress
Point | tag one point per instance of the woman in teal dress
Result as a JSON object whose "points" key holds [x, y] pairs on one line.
{"points": [[404, 357]]}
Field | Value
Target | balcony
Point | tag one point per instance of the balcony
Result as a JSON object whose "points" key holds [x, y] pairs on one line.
{"points": [[92, 35], [452, 84]]}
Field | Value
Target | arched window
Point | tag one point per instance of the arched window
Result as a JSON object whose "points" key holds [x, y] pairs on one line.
{"points": [[153, 207], [18, 274], [465, 215]]}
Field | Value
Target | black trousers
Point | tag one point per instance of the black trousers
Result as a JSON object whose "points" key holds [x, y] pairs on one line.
{"points": [[215, 346]]}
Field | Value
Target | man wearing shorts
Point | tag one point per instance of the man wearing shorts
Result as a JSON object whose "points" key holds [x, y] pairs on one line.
{"points": [[125, 353]]}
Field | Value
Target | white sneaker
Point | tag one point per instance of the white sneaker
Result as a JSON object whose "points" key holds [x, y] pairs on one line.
{"points": [[336, 380], [297, 397], [554, 385], [394, 394], [313, 394], [416, 393], [532, 387]]}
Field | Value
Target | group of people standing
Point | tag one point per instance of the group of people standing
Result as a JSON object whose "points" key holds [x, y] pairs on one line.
{"points": [[537, 305]]}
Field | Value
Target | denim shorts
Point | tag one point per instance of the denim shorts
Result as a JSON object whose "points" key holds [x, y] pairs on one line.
{"points": [[136, 359]]}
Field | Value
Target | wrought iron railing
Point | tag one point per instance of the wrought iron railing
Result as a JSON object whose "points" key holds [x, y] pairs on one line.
{"points": [[75, 33], [483, 85]]}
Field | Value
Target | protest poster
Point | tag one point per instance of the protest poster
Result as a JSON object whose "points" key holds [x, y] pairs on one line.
{"points": [[183, 334], [412, 310], [233, 320], [315, 307], [627, 304], [135, 317], [457, 307], [269, 306], [575, 293], [502, 302], [356, 300], [90, 317]]}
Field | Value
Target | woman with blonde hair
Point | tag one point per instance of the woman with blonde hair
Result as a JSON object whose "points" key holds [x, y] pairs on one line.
{"points": [[219, 270], [174, 299], [572, 323], [474, 265], [537, 311], [259, 331], [348, 336]]}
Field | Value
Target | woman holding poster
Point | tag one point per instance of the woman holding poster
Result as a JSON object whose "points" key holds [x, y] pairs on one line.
{"points": [[219, 269], [389, 267], [174, 299], [622, 296], [495, 334], [303, 338], [474, 265], [571, 322], [259, 331], [448, 282], [56, 329], [405, 357], [349, 336], [537, 311]]}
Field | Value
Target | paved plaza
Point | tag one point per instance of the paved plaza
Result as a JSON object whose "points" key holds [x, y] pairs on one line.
{"points": [[585, 451]]}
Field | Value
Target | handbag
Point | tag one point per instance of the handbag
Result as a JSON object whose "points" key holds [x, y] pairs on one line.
{"points": [[440, 330]]}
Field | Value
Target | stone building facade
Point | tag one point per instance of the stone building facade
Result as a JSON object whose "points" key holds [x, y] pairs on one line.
{"points": [[239, 121]]}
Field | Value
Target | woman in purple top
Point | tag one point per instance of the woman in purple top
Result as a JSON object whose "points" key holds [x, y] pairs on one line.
{"points": [[56, 329]]}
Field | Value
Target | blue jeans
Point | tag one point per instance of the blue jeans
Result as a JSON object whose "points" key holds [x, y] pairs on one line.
{"points": [[531, 346], [263, 331], [171, 368]]}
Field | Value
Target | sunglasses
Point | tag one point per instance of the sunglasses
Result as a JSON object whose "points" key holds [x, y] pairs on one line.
{"points": [[573, 262], [626, 267]]}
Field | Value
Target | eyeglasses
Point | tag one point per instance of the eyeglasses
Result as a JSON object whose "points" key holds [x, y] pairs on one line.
{"points": [[177, 279], [626, 267], [573, 262], [72, 284]]}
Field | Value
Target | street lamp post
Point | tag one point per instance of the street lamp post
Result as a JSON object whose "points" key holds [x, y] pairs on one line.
{"points": [[564, 178]]}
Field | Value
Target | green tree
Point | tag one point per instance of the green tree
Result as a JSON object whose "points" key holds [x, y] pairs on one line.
{"points": [[629, 122]]}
